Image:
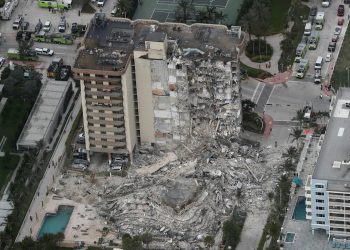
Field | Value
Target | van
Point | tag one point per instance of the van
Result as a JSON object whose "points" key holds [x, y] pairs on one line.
{"points": [[319, 62], [308, 27]]}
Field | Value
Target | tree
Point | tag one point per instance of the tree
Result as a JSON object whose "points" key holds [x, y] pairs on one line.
{"points": [[220, 17], [231, 233], [299, 117], [146, 238], [184, 10], [202, 16], [296, 133], [209, 241], [131, 243], [292, 152], [248, 105], [24, 46], [125, 8]]}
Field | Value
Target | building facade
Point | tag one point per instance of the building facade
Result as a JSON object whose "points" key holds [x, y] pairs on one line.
{"points": [[143, 82], [328, 189]]}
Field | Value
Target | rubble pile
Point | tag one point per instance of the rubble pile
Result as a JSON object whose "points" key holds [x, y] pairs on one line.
{"points": [[192, 196]]}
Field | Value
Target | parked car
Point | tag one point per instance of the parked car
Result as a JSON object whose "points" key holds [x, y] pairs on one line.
{"points": [[335, 38], [337, 30], [332, 46], [329, 57], [313, 11], [44, 51], [114, 11], [81, 161], [340, 21], [341, 10], [38, 27], [24, 26], [47, 26], [2, 61], [17, 23], [74, 28], [62, 25], [101, 3]]}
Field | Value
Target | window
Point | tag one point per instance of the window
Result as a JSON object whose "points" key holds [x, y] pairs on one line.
{"points": [[319, 186], [320, 215], [320, 222], [319, 201], [319, 208], [320, 193]]}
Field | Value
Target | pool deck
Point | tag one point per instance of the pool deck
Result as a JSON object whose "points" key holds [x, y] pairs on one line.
{"points": [[84, 225]]}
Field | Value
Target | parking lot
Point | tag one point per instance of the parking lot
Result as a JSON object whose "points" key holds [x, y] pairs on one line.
{"points": [[32, 13], [326, 34]]}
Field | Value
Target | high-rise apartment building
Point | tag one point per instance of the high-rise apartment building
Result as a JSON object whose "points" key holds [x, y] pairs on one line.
{"points": [[328, 189], [146, 82]]}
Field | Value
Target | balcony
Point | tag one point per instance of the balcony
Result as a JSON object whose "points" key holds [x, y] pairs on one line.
{"points": [[105, 108], [101, 94], [106, 129], [101, 86], [108, 143], [98, 79], [105, 136], [92, 100], [114, 122]]}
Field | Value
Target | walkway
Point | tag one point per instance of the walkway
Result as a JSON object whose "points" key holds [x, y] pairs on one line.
{"points": [[274, 41]]}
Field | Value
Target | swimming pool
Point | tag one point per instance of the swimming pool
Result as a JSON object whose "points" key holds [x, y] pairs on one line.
{"points": [[56, 223], [300, 209]]}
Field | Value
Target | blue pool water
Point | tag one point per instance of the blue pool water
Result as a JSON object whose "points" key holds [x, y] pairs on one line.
{"points": [[289, 238], [56, 223], [300, 209]]}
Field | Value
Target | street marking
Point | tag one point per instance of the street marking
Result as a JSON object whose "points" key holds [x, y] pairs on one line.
{"points": [[59, 53], [262, 89], [268, 99], [256, 89]]}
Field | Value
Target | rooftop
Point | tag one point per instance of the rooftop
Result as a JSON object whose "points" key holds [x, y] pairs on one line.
{"points": [[109, 42], [43, 113], [333, 163]]}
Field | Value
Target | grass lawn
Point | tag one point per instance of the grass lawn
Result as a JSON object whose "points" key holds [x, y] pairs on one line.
{"points": [[7, 165], [12, 120], [255, 73], [340, 74], [253, 122], [278, 18]]}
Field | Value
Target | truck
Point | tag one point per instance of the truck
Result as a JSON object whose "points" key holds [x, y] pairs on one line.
{"points": [[319, 21], [28, 55], [8, 8], [313, 40], [57, 38], [308, 28], [55, 67], [302, 68], [300, 52], [60, 4]]}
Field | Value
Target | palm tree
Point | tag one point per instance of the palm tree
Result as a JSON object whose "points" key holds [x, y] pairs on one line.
{"points": [[209, 241], [124, 8], [184, 10], [291, 153], [299, 117], [211, 10], [220, 17], [202, 16], [296, 133]]}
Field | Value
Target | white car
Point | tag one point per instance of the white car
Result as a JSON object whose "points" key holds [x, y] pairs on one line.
{"points": [[329, 57], [44, 51], [326, 3], [47, 26], [2, 61], [337, 30]]}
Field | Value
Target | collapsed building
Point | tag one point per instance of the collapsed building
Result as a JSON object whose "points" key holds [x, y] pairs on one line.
{"points": [[146, 83]]}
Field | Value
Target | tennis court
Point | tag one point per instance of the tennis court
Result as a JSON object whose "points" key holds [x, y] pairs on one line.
{"points": [[164, 10]]}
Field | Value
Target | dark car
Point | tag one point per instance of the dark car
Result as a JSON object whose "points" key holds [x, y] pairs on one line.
{"points": [[313, 11], [332, 46], [341, 9], [38, 27], [24, 26], [74, 28]]}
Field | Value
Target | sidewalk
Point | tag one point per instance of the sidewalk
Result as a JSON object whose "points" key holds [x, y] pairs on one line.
{"points": [[274, 41]]}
